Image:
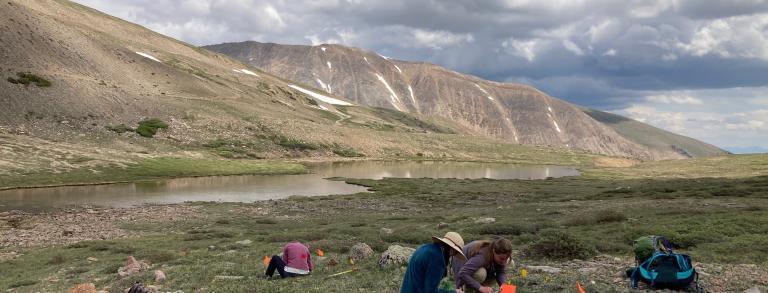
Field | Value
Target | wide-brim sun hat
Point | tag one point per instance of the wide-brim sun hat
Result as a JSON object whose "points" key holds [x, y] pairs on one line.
{"points": [[453, 240]]}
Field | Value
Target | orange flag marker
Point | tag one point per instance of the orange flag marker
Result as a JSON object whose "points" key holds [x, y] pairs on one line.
{"points": [[578, 287], [508, 288], [320, 252], [266, 260]]}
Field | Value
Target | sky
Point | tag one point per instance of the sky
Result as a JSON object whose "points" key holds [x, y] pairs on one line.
{"points": [[694, 67]]}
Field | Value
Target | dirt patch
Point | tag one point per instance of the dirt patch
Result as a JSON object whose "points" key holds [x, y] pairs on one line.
{"points": [[75, 225], [615, 162]]}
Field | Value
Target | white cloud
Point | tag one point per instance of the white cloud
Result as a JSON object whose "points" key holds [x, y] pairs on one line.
{"points": [[571, 46], [610, 52], [674, 99], [437, 39], [525, 49], [741, 36], [738, 129], [759, 101]]}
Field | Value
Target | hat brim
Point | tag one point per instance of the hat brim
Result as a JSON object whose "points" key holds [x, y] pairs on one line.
{"points": [[451, 245]]}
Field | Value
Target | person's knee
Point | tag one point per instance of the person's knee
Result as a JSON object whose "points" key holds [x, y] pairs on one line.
{"points": [[480, 275]]}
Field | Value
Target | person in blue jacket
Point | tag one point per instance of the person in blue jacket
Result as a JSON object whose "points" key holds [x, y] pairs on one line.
{"points": [[428, 264]]}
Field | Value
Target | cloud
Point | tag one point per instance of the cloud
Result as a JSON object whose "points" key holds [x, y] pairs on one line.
{"points": [[674, 99]]}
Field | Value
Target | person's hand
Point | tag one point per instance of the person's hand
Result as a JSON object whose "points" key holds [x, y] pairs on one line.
{"points": [[459, 290], [486, 290]]}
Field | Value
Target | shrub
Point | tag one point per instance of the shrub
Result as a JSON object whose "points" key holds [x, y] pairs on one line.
{"points": [[294, 144], [149, 127], [26, 78], [559, 244], [346, 152]]}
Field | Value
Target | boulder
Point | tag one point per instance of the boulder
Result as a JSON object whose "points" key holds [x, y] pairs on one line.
{"points": [[131, 267], [83, 288], [753, 290], [244, 242], [159, 276], [360, 251], [545, 269], [396, 255], [386, 232], [485, 221]]}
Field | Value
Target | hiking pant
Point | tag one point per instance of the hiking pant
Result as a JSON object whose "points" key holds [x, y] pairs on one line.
{"points": [[482, 277], [277, 263]]}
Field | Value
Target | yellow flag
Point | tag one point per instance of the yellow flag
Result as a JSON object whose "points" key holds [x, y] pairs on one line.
{"points": [[523, 273]]}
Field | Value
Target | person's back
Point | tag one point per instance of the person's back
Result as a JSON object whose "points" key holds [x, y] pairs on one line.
{"points": [[297, 258], [426, 269]]}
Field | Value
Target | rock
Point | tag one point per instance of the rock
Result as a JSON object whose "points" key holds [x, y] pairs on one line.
{"points": [[485, 220], [360, 251], [442, 226], [152, 288], [396, 255], [386, 231], [587, 270], [159, 276], [131, 267], [544, 269], [92, 259], [753, 290], [83, 288], [244, 242]]}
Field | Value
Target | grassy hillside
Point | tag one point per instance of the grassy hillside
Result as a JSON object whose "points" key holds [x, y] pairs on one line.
{"points": [[650, 136]]}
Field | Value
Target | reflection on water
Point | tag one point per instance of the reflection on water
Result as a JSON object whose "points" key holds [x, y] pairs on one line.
{"points": [[251, 188]]}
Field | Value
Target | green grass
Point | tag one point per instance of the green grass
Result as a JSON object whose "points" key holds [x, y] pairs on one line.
{"points": [[155, 168], [547, 220]]}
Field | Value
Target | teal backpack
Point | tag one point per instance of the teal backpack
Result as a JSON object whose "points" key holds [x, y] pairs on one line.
{"points": [[661, 268]]}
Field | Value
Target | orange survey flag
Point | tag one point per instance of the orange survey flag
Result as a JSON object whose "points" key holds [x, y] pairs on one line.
{"points": [[320, 252], [266, 260], [508, 288], [578, 286]]}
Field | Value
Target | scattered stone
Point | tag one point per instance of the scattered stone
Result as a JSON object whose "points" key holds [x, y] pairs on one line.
{"points": [[587, 270], [753, 290], [92, 259], [83, 288], [360, 251], [211, 247], [485, 221], [159, 276], [396, 255], [131, 267], [386, 231], [333, 262], [228, 277], [442, 225], [244, 242], [544, 269]]}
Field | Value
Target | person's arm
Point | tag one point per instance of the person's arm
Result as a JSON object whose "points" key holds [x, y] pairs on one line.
{"points": [[434, 274], [501, 276], [309, 260], [285, 254], [469, 268]]}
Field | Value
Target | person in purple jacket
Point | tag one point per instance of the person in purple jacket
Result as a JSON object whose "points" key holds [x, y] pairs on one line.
{"points": [[296, 261], [486, 263]]}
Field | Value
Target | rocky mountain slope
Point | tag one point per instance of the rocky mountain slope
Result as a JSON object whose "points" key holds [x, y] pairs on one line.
{"points": [[512, 112], [73, 76]]}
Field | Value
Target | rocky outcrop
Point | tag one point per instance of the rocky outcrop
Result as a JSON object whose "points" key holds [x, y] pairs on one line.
{"points": [[360, 251], [396, 255]]}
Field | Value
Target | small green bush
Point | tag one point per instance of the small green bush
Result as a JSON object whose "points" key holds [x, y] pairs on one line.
{"points": [[346, 152], [559, 244], [295, 144], [26, 78], [149, 127]]}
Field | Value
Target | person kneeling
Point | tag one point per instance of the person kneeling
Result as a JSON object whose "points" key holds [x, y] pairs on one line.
{"points": [[296, 261], [485, 265]]}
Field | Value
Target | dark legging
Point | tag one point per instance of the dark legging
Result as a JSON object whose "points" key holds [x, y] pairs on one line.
{"points": [[277, 263]]}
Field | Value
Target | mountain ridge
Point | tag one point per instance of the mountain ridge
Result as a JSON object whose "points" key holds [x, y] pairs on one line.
{"points": [[513, 112]]}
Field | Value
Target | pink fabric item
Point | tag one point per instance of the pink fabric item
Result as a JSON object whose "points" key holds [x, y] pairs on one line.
{"points": [[296, 255]]}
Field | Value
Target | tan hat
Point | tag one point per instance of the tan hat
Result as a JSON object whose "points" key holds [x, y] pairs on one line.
{"points": [[453, 240]]}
